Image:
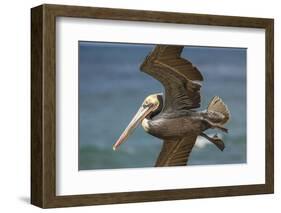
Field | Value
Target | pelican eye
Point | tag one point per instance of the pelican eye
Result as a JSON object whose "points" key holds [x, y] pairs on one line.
{"points": [[145, 105]]}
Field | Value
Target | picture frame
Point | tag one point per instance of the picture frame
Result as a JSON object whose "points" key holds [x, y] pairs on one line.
{"points": [[43, 105]]}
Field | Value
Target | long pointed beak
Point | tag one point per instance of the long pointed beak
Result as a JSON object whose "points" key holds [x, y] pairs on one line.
{"points": [[137, 119]]}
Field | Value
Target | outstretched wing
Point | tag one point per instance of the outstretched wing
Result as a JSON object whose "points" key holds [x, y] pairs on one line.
{"points": [[176, 152], [177, 75]]}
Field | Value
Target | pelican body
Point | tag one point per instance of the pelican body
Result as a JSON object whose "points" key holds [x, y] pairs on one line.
{"points": [[172, 117]]}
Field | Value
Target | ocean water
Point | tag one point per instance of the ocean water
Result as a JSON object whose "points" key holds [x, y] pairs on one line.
{"points": [[111, 89]]}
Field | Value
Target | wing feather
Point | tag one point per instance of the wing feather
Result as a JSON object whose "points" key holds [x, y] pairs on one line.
{"points": [[177, 75], [176, 152]]}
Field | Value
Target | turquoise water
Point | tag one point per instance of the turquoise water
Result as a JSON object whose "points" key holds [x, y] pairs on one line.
{"points": [[111, 89]]}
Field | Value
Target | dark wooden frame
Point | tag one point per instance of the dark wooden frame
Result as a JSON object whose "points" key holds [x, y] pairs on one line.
{"points": [[43, 105]]}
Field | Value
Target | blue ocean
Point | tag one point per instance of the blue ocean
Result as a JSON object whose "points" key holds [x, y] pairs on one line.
{"points": [[112, 88]]}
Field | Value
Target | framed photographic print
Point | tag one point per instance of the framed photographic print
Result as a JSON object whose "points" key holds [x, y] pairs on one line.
{"points": [[135, 106]]}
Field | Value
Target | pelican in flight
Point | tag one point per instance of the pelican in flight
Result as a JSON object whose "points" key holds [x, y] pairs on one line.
{"points": [[172, 116]]}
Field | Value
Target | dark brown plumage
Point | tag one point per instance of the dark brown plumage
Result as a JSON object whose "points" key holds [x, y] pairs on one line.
{"points": [[176, 152], [177, 76], [172, 117]]}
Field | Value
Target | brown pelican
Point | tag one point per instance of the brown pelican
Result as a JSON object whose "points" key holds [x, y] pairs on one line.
{"points": [[172, 118]]}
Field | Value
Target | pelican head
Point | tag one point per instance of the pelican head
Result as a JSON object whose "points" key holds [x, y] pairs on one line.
{"points": [[150, 107]]}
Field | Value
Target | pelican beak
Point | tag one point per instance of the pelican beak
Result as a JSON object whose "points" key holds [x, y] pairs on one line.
{"points": [[137, 119]]}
